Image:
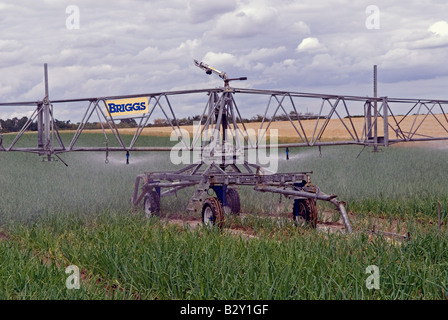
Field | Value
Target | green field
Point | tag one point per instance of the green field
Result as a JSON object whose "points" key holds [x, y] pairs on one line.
{"points": [[52, 216]]}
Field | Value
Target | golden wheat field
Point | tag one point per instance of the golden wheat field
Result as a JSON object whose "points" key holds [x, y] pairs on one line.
{"points": [[430, 126]]}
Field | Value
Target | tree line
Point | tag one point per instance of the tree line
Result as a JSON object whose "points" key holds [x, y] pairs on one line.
{"points": [[15, 124], [161, 122]]}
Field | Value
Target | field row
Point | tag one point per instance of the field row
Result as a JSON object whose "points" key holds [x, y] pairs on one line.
{"points": [[129, 257]]}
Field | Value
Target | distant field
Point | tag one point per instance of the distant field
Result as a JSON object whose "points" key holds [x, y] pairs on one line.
{"points": [[334, 131]]}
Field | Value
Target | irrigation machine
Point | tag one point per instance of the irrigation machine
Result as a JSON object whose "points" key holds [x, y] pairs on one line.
{"points": [[223, 144]]}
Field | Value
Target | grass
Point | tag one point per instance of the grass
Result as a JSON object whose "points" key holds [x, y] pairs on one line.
{"points": [[147, 259], [52, 216]]}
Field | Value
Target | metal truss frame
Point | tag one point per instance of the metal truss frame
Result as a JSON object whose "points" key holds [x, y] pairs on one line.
{"points": [[379, 124], [222, 136]]}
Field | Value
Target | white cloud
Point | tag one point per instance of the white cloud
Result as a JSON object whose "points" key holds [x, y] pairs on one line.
{"points": [[205, 10], [148, 46], [257, 56], [16, 114], [300, 28], [189, 44], [311, 45], [264, 53], [253, 60], [436, 36], [246, 22], [219, 59], [439, 28]]}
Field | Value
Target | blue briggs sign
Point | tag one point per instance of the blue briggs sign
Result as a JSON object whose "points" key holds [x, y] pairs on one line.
{"points": [[124, 107]]}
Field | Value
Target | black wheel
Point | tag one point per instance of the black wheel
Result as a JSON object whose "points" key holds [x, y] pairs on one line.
{"points": [[152, 204], [307, 211], [233, 201], [212, 212]]}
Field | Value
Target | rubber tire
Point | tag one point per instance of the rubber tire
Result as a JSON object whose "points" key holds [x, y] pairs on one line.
{"points": [[233, 201], [213, 212], [307, 210], [151, 204]]}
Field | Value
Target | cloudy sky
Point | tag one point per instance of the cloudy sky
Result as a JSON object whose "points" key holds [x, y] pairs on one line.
{"points": [[102, 48]]}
